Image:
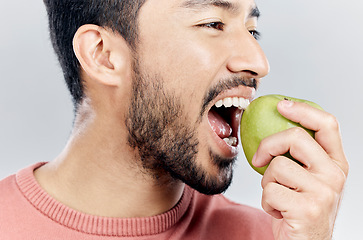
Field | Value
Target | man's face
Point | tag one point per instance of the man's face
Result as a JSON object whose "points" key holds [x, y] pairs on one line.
{"points": [[191, 55]]}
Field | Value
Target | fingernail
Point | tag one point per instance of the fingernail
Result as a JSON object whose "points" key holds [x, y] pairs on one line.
{"points": [[286, 103]]}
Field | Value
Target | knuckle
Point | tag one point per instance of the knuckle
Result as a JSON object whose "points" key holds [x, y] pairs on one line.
{"points": [[276, 163], [345, 168], [339, 178], [297, 132], [280, 162], [265, 206], [268, 190], [332, 122], [321, 203], [314, 211], [327, 195], [264, 142], [326, 199]]}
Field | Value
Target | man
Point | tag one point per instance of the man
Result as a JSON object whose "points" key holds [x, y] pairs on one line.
{"points": [[150, 152]]}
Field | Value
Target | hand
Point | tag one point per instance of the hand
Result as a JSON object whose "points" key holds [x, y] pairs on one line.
{"points": [[303, 198]]}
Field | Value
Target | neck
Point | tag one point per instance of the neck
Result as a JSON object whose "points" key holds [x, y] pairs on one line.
{"points": [[100, 175]]}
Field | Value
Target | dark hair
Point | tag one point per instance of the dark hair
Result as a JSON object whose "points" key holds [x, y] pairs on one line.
{"points": [[66, 16]]}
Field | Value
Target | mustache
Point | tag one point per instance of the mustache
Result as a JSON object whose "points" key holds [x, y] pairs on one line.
{"points": [[226, 85]]}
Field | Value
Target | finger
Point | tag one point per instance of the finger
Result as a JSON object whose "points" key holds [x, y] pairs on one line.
{"points": [[325, 125], [303, 148], [277, 199], [298, 143], [289, 174]]}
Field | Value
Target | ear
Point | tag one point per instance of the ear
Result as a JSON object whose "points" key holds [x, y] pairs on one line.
{"points": [[105, 57]]}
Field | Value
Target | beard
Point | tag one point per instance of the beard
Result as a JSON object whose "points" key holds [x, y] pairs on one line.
{"points": [[166, 141]]}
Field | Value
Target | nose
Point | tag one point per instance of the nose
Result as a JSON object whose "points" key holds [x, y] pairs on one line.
{"points": [[247, 56]]}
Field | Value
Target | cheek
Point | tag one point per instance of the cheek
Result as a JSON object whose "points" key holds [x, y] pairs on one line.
{"points": [[181, 58], [185, 69], [192, 74], [188, 65]]}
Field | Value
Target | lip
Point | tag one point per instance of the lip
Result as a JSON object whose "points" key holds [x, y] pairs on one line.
{"points": [[241, 91], [223, 148], [220, 145]]}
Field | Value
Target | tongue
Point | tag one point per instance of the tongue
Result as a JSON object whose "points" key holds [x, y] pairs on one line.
{"points": [[219, 125]]}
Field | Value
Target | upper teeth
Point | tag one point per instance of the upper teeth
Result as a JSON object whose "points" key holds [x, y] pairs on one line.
{"points": [[239, 102]]}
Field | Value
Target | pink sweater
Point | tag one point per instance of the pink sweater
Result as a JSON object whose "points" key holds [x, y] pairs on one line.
{"points": [[27, 212]]}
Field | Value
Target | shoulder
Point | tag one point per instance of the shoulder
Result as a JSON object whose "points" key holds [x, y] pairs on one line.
{"points": [[12, 198], [13, 188], [9, 202], [225, 219], [8, 188]]}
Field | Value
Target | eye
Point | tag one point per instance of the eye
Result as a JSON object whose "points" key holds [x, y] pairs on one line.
{"points": [[256, 34], [216, 25]]}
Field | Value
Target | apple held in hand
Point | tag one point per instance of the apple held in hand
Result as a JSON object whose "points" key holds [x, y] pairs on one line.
{"points": [[261, 119]]}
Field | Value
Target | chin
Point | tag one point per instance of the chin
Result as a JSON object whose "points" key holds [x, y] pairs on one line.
{"points": [[214, 185], [215, 179]]}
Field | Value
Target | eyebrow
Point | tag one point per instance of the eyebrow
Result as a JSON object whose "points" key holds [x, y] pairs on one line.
{"points": [[231, 7], [255, 12]]}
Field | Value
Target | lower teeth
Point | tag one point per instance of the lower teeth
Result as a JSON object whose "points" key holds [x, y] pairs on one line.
{"points": [[231, 141]]}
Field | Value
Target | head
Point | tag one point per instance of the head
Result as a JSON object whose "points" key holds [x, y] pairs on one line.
{"points": [[160, 75]]}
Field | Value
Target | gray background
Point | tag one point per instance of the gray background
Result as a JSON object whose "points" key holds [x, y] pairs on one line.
{"points": [[315, 51]]}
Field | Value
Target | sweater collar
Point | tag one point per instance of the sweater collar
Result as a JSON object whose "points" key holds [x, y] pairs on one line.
{"points": [[96, 225]]}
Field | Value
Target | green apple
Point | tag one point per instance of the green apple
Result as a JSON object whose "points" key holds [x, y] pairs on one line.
{"points": [[261, 119]]}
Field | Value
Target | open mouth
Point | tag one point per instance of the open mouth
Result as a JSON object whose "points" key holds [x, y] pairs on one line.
{"points": [[225, 116]]}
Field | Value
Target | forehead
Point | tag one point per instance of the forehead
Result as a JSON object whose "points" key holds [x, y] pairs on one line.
{"points": [[200, 4], [232, 6]]}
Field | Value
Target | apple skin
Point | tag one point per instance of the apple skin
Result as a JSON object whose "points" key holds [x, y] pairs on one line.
{"points": [[261, 119]]}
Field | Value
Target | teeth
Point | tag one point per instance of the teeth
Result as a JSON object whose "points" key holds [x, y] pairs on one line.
{"points": [[243, 103], [239, 102], [219, 104], [231, 141], [235, 101], [227, 102]]}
